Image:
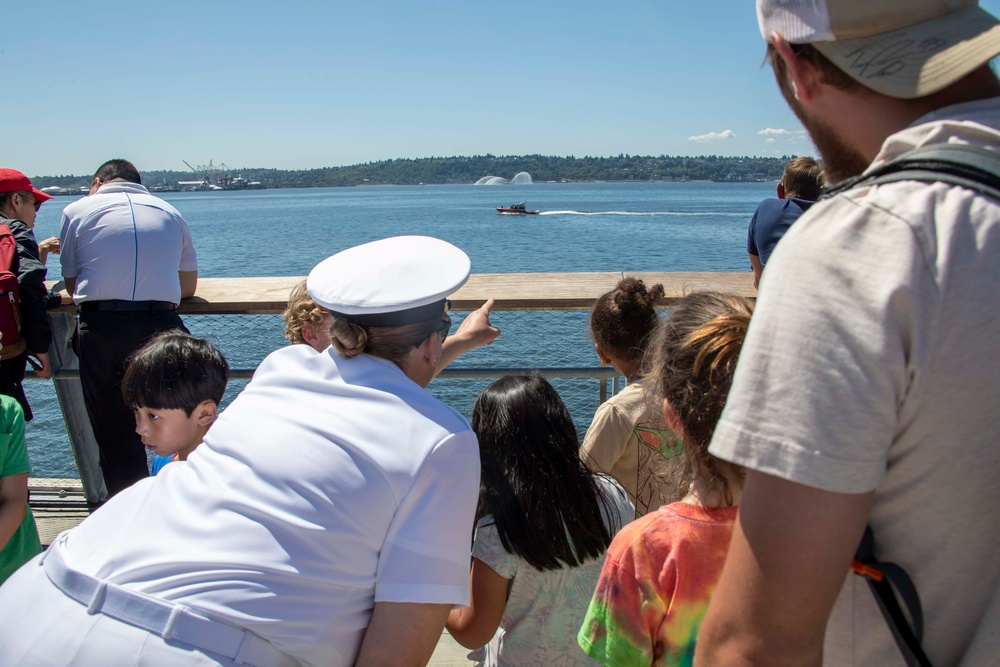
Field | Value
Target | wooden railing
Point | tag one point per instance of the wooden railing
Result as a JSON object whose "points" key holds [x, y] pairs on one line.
{"points": [[268, 295]]}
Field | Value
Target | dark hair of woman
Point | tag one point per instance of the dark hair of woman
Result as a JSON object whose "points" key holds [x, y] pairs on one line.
{"points": [[623, 318], [544, 501], [692, 359]]}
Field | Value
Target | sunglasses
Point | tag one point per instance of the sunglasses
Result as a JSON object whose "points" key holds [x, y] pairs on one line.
{"points": [[445, 321], [445, 327], [37, 204]]}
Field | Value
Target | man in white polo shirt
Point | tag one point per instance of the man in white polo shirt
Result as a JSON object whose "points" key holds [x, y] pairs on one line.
{"points": [[128, 260]]}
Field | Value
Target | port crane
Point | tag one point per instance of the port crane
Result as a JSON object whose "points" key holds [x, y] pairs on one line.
{"points": [[212, 174]]}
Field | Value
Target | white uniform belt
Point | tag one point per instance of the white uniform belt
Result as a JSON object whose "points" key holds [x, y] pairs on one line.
{"points": [[171, 621]]}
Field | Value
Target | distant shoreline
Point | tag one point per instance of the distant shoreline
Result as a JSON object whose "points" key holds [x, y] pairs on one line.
{"points": [[460, 171], [64, 193]]}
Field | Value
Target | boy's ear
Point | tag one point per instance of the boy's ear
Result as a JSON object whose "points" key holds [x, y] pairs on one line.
{"points": [[308, 334], [205, 412]]}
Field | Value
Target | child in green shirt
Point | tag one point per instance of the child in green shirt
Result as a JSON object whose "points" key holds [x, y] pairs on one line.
{"points": [[19, 541]]}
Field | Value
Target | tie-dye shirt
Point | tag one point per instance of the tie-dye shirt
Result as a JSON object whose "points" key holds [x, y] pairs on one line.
{"points": [[658, 576]]}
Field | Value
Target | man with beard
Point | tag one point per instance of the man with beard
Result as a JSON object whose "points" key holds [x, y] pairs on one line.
{"points": [[867, 389]]}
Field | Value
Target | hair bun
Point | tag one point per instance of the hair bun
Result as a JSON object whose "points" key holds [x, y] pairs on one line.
{"points": [[348, 339], [631, 294]]}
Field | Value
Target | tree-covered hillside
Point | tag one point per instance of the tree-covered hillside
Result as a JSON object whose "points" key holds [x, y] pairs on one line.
{"points": [[440, 170]]}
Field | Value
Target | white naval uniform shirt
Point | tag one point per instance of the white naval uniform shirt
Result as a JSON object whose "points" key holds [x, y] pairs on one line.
{"points": [[123, 243], [328, 485]]}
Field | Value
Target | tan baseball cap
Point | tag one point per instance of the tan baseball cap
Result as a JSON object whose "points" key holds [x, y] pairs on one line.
{"points": [[900, 48]]}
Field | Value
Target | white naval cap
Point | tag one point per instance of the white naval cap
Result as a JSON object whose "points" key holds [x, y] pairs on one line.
{"points": [[391, 282]]}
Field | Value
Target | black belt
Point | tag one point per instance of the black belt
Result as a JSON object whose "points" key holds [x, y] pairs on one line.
{"points": [[118, 305]]}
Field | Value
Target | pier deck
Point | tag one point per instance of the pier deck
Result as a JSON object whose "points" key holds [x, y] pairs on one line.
{"points": [[58, 504]]}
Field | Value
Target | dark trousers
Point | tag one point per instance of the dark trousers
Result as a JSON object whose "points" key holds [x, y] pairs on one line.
{"points": [[104, 341], [11, 376]]}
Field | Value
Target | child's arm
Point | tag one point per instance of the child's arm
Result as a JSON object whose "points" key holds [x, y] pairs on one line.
{"points": [[475, 625], [13, 505], [14, 469]]}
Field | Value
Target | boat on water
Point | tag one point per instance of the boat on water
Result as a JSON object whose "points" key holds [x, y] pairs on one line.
{"points": [[519, 208]]}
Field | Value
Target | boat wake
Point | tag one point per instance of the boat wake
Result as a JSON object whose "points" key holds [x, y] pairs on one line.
{"points": [[686, 214]]}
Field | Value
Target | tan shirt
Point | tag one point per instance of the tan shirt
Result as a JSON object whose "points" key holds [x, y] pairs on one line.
{"points": [[873, 363], [629, 441]]}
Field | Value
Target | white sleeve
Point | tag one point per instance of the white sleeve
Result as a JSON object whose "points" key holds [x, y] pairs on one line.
{"points": [[67, 249], [189, 258], [489, 549], [426, 554], [828, 357]]}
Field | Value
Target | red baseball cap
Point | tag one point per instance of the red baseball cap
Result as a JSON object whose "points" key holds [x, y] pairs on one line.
{"points": [[11, 180]]}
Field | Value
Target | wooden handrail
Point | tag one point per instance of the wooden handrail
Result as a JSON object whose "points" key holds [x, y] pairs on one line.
{"points": [[513, 291]]}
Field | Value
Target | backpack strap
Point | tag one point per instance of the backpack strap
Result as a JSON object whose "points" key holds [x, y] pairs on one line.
{"points": [[882, 579], [967, 166], [977, 169]]}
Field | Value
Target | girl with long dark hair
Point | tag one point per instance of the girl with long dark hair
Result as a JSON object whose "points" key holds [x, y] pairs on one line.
{"points": [[545, 523]]}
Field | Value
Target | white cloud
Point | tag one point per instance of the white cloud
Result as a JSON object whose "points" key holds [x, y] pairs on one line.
{"points": [[712, 136], [775, 130], [770, 140]]}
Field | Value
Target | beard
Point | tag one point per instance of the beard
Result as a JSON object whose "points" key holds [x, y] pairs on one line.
{"points": [[840, 159]]}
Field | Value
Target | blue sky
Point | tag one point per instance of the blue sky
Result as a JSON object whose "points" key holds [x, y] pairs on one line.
{"points": [[311, 84]]}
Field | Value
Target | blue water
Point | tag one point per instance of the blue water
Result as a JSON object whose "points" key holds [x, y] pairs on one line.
{"points": [[581, 227]]}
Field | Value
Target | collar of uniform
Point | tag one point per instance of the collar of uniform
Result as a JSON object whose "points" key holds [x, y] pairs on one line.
{"points": [[122, 186]]}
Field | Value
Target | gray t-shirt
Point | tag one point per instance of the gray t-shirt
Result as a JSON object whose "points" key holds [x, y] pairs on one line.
{"points": [[873, 363]]}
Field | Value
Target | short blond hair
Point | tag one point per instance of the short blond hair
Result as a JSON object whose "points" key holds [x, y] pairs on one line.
{"points": [[301, 309]]}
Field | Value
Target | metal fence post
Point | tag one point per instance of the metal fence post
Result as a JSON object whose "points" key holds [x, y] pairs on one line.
{"points": [[66, 380]]}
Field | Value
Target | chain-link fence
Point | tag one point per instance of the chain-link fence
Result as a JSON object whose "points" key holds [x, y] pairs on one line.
{"points": [[555, 343]]}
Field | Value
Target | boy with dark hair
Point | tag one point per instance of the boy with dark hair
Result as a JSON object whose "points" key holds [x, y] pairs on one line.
{"points": [[174, 384]]}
